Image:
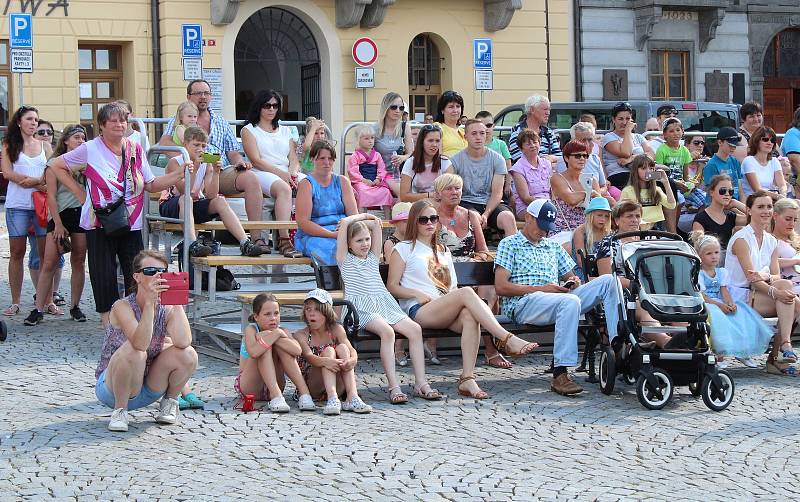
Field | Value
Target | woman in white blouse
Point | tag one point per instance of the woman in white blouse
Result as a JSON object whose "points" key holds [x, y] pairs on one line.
{"points": [[761, 170]]}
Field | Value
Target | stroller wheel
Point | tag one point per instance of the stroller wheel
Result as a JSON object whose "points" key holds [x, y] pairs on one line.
{"points": [[607, 370], [715, 397], [654, 392], [694, 388]]}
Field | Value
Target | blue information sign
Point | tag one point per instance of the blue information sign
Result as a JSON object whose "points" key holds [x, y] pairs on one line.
{"points": [[482, 53], [192, 40], [21, 31]]}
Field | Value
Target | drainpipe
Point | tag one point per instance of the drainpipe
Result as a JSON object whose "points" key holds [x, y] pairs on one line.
{"points": [[547, 45], [577, 30], [155, 34]]}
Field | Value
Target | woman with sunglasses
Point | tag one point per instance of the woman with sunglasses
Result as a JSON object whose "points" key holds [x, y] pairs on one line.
{"points": [[761, 169], [147, 354], [622, 145], [448, 114], [723, 214], [65, 215], [568, 194], [22, 163], [394, 141], [421, 169], [422, 277]]}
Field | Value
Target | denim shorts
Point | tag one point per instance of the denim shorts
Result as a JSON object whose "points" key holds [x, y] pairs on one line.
{"points": [[412, 310], [19, 221], [105, 396]]}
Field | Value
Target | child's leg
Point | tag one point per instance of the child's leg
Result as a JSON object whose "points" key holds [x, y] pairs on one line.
{"points": [[250, 379], [192, 233], [381, 328], [288, 365], [221, 207], [328, 377], [413, 333], [349, 376], [266, 368]]}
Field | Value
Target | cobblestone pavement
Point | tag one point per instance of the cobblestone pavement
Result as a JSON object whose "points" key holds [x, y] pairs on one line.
{"points": [[525, 443]]}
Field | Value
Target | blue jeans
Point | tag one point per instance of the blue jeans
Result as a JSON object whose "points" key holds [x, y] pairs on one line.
{"points": [[564, 310]]}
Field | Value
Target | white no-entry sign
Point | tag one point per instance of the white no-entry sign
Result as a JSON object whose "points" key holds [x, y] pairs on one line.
{"points": [[365, 52]]}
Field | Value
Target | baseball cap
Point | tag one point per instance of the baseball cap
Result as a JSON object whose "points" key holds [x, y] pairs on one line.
{"points": [[400, 211], [597, 204], [320, 295], [545, 213], [728, 135]]}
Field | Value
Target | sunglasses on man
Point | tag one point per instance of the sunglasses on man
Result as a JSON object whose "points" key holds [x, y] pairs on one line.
{"points": [[151, 271]]}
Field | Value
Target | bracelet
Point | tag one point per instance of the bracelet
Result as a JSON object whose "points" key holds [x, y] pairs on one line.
{"points": [[263, 343]]}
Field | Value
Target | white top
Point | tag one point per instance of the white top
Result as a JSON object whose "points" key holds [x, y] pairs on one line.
{"points": [[760, 257], [765, 174], [273, 146], [610, 160], [423, 182], [18, 197], [423, 273], [199, 176]]}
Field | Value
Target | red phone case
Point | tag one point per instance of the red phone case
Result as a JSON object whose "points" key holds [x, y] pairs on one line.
{"points": [[178, 292]]}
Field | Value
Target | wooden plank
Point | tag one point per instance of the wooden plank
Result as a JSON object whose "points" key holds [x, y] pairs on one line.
{"points": [[293, 298], [247, 225], [216, 261]]}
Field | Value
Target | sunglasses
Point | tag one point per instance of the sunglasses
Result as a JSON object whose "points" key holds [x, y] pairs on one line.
{"points": [[267, 106], [580, 155], [725, 191], [424, 220], [698, 142], [44, 132], [397, 107], [767, 139], [671, 113], [151, 271]]}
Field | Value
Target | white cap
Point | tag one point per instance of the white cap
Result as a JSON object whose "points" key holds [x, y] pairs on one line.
{"points": [[320, 295]]}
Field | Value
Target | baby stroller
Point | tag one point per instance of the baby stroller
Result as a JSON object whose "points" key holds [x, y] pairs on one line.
{"points": [[663, 272]]}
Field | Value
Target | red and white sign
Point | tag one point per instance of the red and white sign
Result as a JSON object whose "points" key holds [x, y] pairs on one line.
{"points": [[365, 52]]}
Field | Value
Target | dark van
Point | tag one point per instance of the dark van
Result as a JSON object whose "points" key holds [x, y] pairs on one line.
{"points": [[695, 115]]}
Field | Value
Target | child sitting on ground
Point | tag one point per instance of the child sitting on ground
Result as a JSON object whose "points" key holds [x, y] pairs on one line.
{"points": [[368, 174]]}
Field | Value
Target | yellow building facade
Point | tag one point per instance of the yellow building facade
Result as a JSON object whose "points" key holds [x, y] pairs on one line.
{"points": [[87, 52]]}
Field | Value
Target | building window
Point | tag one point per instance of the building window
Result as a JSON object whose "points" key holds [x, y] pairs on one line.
{"points": [[100, 81], [424, 75], [5, 83], [669, 75], [782, 58]]}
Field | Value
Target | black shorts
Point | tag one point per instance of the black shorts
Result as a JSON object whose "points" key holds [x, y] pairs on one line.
{"points": [[480, 208], [71, 219], [171, 209]]}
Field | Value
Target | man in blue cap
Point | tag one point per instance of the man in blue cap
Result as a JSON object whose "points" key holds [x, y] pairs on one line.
{"points": [[724, 161], [528, 268]]}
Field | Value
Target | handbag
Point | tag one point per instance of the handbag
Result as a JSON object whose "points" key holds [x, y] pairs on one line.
{"points": [[40, 206], [64, 244], [114, 217]]}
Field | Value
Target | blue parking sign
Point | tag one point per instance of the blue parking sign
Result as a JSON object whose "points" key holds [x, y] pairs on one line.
{"points": [[482, 53], [192, 40], [20, 29]]}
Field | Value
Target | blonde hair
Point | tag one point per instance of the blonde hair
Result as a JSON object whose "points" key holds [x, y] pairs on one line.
{"points": [[780, 206], [326, 309], [387, 101], [364, 130], [355, 229], [181, 108], [447, 180], [702, 240], [589, 230]]}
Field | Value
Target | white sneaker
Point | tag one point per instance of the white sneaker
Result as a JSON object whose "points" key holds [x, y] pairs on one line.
{"points": [[333, 406], [119, 420], [748, 361], [278, 405], [168, 411], [305, 403], [356, 405]]}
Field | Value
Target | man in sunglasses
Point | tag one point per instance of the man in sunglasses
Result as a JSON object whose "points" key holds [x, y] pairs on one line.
{"points": [[723, 162]]}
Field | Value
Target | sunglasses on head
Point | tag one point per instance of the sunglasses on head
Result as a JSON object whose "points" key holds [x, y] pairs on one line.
{"points": [[44, 132], [725, 191], [580, 155], [671, 113], [267, 106], [152, 270], [424, 220], [397, 107], [430, 127], [698, 142]]}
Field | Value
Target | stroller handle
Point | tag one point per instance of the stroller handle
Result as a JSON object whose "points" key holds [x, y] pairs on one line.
{"points": [[647, 233]]}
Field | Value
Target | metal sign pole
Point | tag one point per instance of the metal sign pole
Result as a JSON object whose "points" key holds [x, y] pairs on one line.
{"points": [[364, 94], [21, 99], [482, 107]]}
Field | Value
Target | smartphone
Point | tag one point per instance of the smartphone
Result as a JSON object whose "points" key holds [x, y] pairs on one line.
{"points": [[178, 292], [569, 284], [650, 176], [211, 158]]}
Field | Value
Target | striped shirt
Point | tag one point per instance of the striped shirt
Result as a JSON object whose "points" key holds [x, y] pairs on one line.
{"points": [[548, 145]]}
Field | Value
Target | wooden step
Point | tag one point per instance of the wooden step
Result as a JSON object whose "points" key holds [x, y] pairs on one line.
{"points": [[290, 298], [216, 261]]}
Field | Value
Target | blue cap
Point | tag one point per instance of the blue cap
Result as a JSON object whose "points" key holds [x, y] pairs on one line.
{"points": [[545, 213], [597, 204]]}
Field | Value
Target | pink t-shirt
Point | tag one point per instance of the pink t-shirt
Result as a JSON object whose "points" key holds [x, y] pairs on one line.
{"points": [[103, 172], [537, 178]]}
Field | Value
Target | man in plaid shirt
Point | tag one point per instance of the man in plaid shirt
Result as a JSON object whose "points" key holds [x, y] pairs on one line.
{"points": [[528, 267]]}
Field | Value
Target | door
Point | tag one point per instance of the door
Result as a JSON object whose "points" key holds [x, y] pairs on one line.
{"points": [[778, 108]]}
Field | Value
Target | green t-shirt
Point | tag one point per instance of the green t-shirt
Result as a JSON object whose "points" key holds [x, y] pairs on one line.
{"points": [[500, 147], [674, 159]]}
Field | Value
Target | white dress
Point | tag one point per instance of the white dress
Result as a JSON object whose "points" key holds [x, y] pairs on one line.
{"points": [[760, 257], [364, 288]]}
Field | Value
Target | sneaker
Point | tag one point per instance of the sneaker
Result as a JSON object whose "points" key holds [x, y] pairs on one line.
{"points": [[34, 318], [168, 411], [748, 361], [183, 404], [248, 248], [563, 384], [192, 402], [278, 405], [119, 420], [356, 405], [333, 406], [305, 403], [58, 299], [198, 250], [77, 314]]}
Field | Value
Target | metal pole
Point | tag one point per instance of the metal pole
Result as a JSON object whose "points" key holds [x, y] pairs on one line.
{"points": [[482, 107], [364, 94], [21, 99]]}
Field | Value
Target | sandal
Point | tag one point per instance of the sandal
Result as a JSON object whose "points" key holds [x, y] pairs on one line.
{"points": [[286, 248], [787, 356], [13, 309], [480, 394], [429, 395], [262, 244], [52, 309], [396, 395], [787, 371], [503, 363], [502, 343]]}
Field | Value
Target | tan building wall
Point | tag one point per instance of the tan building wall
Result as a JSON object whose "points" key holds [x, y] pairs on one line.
{"points": [[519, 52]]}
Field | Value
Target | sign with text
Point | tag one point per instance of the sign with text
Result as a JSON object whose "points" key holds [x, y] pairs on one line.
{"points": [[214, 78], [22, 60], [192, 40], [365, 78], [483, 80], [192, 68], [482, 53], [20, 29]]}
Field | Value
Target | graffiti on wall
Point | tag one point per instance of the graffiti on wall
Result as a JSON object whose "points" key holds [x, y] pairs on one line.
{"points": [[33, 6]]}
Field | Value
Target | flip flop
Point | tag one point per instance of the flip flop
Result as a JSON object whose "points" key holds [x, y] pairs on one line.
{"points": [[503, 363]]}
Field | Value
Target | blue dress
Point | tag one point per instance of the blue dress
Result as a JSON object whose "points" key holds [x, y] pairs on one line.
{"points": [[327, 209], [743, 333]]}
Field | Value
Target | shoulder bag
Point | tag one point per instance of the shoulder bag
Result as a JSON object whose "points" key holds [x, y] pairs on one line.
{"points": [[114, 216]]}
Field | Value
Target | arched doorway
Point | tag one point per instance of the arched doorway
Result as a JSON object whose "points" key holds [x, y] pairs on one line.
{"points": [[276, 50], [424, 75], [782, 78]]}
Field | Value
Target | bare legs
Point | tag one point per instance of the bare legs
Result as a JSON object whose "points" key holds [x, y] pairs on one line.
{"points": [[786, 313], [247, 182]]}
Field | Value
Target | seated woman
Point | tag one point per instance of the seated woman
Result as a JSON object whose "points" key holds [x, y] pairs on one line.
{"points": [[422, 277], [206, 203], [594, 229], [787, 214], [568, 195], [752, 260], [531, 173], [323, 198], [147, 354], [421, 169], [761, 170], [721, 216]]}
